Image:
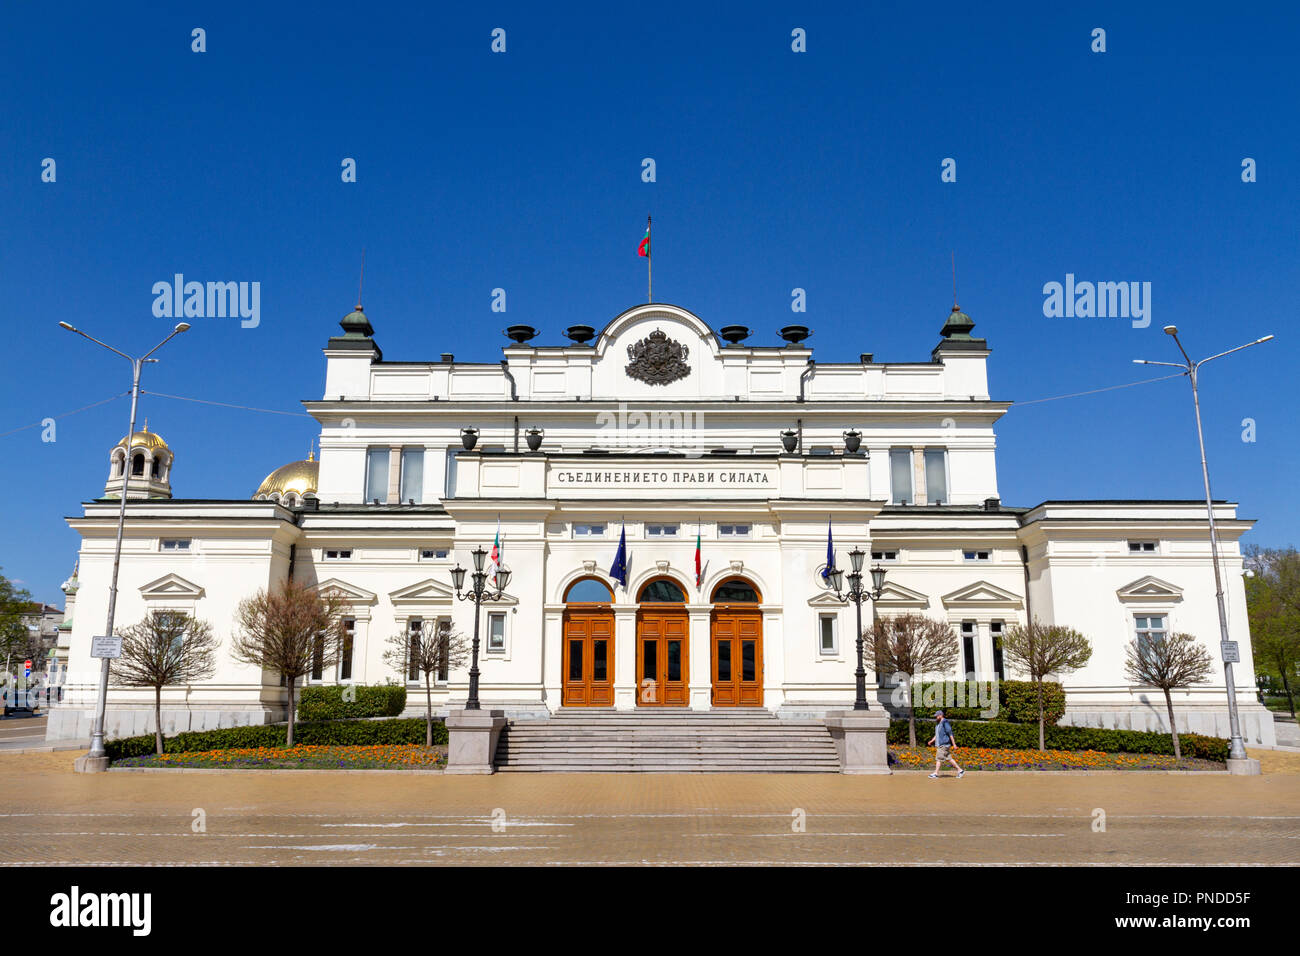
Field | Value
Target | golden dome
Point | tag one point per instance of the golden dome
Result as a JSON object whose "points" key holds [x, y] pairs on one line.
{"points": [[145, 439], [296, 478]]}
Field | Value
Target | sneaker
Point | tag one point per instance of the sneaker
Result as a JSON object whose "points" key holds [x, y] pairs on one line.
{"points": [[961, 773], [933, 775]]}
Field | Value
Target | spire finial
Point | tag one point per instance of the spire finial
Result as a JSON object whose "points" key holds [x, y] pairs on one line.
{"points": [[362, 281], [311, 448]]}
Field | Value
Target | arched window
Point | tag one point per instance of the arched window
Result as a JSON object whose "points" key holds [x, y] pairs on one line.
{"points": [[735, 591], [137, 464], [588, 591], [662, 591], [157, 464]]}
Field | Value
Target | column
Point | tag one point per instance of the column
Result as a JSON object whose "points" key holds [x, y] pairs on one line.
{"points": [[918, 476], [625, 689], [701, 655], [395, 474]]}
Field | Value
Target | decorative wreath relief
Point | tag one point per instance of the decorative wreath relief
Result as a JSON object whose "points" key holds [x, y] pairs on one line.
{"points": [[657, 359]]}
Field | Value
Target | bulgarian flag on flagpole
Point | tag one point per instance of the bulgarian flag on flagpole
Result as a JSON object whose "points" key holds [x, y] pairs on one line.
{"points": [[643, 250], [699, 569], [494, 559]]}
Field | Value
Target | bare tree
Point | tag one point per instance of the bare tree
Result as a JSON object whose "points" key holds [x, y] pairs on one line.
{"points": [[292, 630], [912, 644], [1039, 650], [1168, 662], [166, 648], [431, 656]]}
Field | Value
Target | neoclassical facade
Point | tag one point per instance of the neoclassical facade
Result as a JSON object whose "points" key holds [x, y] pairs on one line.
{"points": [[658, 430]]}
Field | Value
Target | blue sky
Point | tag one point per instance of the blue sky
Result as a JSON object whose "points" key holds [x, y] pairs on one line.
{"points": [[521, 170]]}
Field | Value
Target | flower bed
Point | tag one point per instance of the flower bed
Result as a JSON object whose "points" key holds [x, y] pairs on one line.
{"points": [[301, 757], [994, 758]]}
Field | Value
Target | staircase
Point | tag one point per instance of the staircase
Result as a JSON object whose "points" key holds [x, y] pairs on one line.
{"points": [[666, 741]]}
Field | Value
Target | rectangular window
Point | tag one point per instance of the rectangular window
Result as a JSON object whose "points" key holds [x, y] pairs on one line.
{"points": [[1141, 547], [377, 475], [999, 667], [1148, 627], [734, 530], [967, 647], [900, 475], [496, 643], [413, 474], [318, 658], [174, 544], [337, 554], [661, 530], [884, 555], [444, 638], [433, 554], [973, 555], [589, 530], [936, 476], [414, 631], [828, 642], [345, 652]]}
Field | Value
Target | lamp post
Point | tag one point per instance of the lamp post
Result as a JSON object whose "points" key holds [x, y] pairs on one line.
{"points": [[1236, 748], [857, 593], [97, 759], [478, 593]]}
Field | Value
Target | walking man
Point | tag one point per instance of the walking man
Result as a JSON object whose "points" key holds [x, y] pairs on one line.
{"points": [[943, 741]]}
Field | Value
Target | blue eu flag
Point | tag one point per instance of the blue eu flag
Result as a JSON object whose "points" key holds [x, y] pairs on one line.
{"points": [[619, 571]]}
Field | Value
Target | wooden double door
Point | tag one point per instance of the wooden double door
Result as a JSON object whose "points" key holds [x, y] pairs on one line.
{"points": [[737, 656], [662, 657], [588, 658]]}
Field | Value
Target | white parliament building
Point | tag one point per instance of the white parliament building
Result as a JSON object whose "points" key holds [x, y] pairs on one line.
{"points": [[659, 427]]}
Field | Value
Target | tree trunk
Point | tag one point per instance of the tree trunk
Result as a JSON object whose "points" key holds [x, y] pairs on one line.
{"points": [[1286, 686], [157, 720], [428, 711], [288, 739], [1042, 717], [1173, 728], [911, 722]]}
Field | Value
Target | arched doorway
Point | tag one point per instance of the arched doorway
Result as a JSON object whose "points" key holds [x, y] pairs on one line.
{"points": [[661, 645], [587, 657], [736, 655]]}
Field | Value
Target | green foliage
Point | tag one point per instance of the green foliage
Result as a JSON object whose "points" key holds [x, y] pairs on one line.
{"points": [[1018, 702], [343, 733], [1011, 736], [959, 700], [327, 703]]}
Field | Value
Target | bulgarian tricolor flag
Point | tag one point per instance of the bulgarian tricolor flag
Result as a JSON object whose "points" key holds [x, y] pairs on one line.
{"points": [[643, 250], [699, 568], [494, 559]]}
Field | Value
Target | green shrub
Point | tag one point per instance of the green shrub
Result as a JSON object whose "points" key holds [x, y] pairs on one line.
{"points": [[945, 695], [327, 703], [1018, 702], [1002, 734], [346, 733]]}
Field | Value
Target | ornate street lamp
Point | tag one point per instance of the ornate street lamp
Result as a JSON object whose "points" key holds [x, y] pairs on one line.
{"points": [[857, 594], [478, 593]]}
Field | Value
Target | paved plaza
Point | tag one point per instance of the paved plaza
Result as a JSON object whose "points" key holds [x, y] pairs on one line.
{"points": [[50, 815]]}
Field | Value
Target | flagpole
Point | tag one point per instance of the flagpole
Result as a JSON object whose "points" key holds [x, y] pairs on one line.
{"points": [[649, 252]]}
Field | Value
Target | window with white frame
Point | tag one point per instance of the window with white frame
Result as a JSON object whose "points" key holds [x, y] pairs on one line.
{"points": [[414, 634], [967, 648], [1150, 627], [936, 476], [661, 530], [828, 634], [588, 530], [496, 637], [999, 665], [734, 530], [433, 554], [377, 475], [412, 485], [337, 554], [890, 555], [318, 658], [345, 650], [174, 544], [1142, 547], [973, 554], [900, 476], [444, 638]]}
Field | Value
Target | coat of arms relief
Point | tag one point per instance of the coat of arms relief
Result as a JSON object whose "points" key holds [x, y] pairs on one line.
{"points": [[657, 359]]}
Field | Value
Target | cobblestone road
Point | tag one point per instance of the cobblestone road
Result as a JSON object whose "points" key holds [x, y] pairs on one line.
{"points": [[50, 815]]}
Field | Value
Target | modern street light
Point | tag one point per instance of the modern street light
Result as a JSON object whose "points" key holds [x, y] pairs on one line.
{"points": [[857, 593], [97, 758], [1236, 747], [478, 593]]}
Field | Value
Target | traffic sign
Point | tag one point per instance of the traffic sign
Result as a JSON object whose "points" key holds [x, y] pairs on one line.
{"points": [[27, 668], [1231, 653], [101, 646]]}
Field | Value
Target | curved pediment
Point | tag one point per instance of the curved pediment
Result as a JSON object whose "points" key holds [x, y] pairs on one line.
{"points": [[637, 323]]}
